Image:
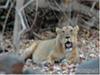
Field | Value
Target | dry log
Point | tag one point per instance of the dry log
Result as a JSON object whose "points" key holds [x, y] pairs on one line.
{"points": [[85, 9], [66, 7], [76, 6]]}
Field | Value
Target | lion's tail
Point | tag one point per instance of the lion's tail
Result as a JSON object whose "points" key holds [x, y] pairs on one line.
{"points": [[29, 51]]}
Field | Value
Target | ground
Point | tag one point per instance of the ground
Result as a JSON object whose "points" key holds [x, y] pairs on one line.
{"points": [[88, 43]]}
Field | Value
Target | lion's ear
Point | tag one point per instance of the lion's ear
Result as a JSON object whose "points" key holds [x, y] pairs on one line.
{"points": [[58, 30], [76, 27]]}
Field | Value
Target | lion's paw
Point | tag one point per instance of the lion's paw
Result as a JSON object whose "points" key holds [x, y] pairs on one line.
{"points": [[46, 63], [65, 61]]}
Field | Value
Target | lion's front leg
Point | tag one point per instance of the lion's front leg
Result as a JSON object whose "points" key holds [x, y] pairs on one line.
{"points": [[72, 59], [69, 59], [51, 60]]}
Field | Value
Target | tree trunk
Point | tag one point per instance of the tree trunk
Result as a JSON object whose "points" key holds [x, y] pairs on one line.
{"points": [[17, 27]]}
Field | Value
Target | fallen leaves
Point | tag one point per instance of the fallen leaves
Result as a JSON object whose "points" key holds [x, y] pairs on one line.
{"points": [[88, 48]]}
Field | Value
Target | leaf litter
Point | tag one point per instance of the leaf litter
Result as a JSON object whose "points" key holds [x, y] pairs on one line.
{"points": [[88, 44]]}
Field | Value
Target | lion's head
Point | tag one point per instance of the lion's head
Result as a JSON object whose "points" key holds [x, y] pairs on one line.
{"points": [[68, 36]]}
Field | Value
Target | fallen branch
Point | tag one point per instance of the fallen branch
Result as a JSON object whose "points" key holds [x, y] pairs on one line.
{"points": [[73, 4], [85, 9]]}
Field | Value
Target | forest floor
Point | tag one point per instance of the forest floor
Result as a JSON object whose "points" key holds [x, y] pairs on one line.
{"points": [[88, 43]]}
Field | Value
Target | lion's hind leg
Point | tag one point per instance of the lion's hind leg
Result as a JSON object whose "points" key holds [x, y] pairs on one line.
{"points": [[29, 51]]}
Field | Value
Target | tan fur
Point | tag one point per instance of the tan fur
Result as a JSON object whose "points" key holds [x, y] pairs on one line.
{"points": [[54, 49]]}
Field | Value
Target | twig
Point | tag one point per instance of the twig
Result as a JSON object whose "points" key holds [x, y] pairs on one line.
{"points": [[76, 19], [53, 10], [24, 30], [93, 6], [86, 27], [21, 17], [6, 5], [26, 22], [64, 12], [7, 17], [6, 21], [37, 36], [26, 5]]}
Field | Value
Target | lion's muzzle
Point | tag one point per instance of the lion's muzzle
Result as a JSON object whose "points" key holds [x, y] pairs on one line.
{"points": [[68, 44]]}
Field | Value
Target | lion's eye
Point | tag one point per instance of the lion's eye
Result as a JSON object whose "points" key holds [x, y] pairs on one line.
{"points": [[63, 31], [71, 30]]}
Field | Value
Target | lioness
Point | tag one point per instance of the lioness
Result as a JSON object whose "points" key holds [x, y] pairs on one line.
{"points": [[63, 46]]}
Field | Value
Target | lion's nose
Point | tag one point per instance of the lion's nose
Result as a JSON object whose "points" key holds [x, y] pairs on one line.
{"points": [[67, 37]]}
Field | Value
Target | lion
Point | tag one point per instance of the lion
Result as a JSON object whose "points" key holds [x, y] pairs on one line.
{"points": [[64, 46]]}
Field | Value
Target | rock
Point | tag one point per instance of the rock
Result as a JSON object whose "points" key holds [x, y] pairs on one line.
{"points": [[89, 67], [30, 71], [11, 64]]}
